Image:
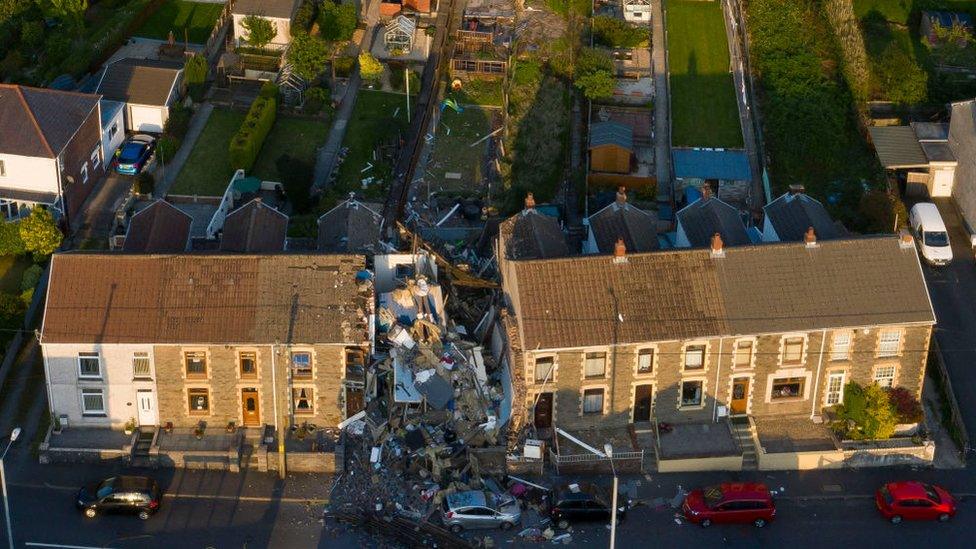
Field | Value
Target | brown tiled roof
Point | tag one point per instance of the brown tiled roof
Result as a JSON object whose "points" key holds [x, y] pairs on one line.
{"points": [[637, 227], [282, 9], [254, 227], [158, 228], [352, 226], [755, 289], [206, 298], [532, 235], [139, 81], [40, 122]]}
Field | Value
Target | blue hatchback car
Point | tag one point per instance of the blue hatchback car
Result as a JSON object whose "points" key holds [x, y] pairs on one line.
{"points": [[133, 155]]}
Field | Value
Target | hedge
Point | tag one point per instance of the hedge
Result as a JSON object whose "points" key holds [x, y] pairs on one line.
{"points": [[247, 142]]}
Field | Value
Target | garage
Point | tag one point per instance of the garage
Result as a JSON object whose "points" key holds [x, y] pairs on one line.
{"points": [[147, 87], [144, 118]]}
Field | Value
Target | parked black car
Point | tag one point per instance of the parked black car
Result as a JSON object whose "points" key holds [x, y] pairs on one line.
{"points": [[583, 502], [127, 494]]}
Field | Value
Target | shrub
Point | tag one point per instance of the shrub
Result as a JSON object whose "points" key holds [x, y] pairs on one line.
{"points": [[10, 241], [308, 55], [878, 212], [40, 234], [56, 46], [337, 22], [12, 62], [269, 90], [144, 184], [594, 74], [31, 276], [907, 407], [247, 142], [343, 66], [11, 309], [870, 410], [32, 33], [315, 99], [167, 147], [296, 176], [369, 68], [195, 72], [617, 33], [304, 18], [178, 122]]}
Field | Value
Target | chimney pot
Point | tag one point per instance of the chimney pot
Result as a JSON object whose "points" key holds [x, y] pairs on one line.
{"points": [[797, 189], [620, 251], [906, 240], [621, 195], [717, 245], [529, 201], [810, 238], [706, 191]]}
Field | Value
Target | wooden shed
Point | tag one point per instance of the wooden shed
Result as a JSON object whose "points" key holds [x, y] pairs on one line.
{"points": [[611, 147]]}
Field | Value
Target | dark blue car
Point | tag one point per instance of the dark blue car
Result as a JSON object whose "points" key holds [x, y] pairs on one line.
{"points": [[133, 155]]}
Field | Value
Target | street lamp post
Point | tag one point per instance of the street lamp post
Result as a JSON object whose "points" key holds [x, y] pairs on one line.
{"points": [[608, 448], [3, 482]]}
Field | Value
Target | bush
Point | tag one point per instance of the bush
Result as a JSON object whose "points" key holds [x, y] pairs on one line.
{"points": [[32, 33], [369, 68], [879, 210], [40, 234], [304, 18], [594, 74], [296, 176], [308, 55], [870, 410], [343, 66], [31, 276], [167, 148], [10, 241], [337, 22], [269, 91], [617, 33], [195, 73], [178, 122], [907, 407], [11, 309], [247, 142], [315, 99], [260, 31], [56, 46], [145, 183]]}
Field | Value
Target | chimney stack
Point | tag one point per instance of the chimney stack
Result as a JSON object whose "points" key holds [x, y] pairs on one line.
{"points": [[810, 238], [621, 195], [706, 191], [529, 201], [796, 189], [718, 249], [620, 251], [905, 240]]}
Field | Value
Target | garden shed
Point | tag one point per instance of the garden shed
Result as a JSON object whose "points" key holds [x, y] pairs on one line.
{"points": [[279, 12], [399, 34], [611, 147]]}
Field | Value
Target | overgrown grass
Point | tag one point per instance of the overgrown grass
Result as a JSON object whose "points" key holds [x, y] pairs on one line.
{"points": [[454, 154], [371, 137], [810, 130], [207, 170], [196, 18], [297, 137], [703, 103], [481, 92]]}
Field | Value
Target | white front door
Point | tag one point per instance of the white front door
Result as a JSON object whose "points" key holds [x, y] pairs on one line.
{"points": [[147, 408]]}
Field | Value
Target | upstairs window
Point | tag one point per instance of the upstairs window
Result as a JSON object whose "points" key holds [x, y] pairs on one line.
{"points": [[543, 369], [889, 343], [743, 354], [301, 365], [140, 366], [249, 364], [840, 348], [694, 357], [596, 365], [793, 350], [645, 361], [196, 364], [88, 365]]}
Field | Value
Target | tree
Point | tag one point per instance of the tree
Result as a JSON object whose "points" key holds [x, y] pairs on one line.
{"points": [[40, 234], [617, 33], [72, 11], [308, 55], [195, 72], [337, 22], [369, 68], [10, 241], [594, 74], [260, 31], [32, 33]]}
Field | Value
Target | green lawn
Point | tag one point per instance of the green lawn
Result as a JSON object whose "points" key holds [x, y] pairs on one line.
{"points": [[453, 153], [481, 92], [197, 18], [372, 126], [295, 136], [207, 171], [703, 104]]}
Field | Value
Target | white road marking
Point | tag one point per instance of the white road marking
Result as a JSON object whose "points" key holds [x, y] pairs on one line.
{"points": [[60, 546]]}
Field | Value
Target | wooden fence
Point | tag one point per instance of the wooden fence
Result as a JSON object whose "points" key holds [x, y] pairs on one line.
{"points": [[217, 34]]}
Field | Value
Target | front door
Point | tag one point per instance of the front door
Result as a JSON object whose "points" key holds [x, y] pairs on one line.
{"points": [[543, 411], [740, 395], [147, 408], [355, 402], [251, 407], [642, 403]]}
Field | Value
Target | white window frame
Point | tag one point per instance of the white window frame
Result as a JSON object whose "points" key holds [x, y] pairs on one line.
{"points": [[704, 356], [98, 362], [841, 352], [753, 343], [839, 392], [889, 353], [890, 380], [552, 369], [138, 355], [702, 398], [803, 349], [96, 158], [84, 173], [637, 360], [606, 358], [603, 401], [311, 364], [310, 398], [91, 391]]}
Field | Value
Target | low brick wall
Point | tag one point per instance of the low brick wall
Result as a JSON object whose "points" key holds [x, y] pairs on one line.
{"points": [[195, 460], [79, 455], [303, 462], [687, 465]]}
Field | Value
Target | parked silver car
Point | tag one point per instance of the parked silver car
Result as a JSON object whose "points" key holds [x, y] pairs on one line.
{"points": [[479, 509]]}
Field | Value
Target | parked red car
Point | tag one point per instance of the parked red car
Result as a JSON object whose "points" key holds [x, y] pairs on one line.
{"points": [[741, 502], [913, 500]]}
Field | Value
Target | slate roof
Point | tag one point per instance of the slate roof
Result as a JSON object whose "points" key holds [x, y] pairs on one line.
{"points": [[792, 214], [281, 9], [897, 146], [611, 133], [637, 227], [684, 294], [706, 216], [40, 122], [254, 227], [139, 81], [730, 165], [532, 235], [351, 226], [206, 299], [158, 228]]}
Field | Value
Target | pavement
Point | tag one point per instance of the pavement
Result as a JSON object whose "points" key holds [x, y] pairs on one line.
{"points": [[167, 172], [662, 102]]}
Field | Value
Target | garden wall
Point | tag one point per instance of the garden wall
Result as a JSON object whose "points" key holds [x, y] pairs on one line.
{"points": [[721, 463]]}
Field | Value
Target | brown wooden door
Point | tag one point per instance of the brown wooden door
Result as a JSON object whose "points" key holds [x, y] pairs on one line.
{"points": [[354, 401], [642, 403], [543, 411], [251, 407], [740, 395]]}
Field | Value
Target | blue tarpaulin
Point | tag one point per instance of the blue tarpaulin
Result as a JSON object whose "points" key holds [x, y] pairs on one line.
{"points": [[729, 165]]}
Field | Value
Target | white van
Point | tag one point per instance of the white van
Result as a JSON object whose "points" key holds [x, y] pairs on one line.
{"points": [[930, 233]]}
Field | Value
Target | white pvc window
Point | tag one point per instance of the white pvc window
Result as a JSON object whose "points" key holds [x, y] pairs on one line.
{"points": [[884, 376], [889, 343], [92, 401], [840, 348], [835, 388]]}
